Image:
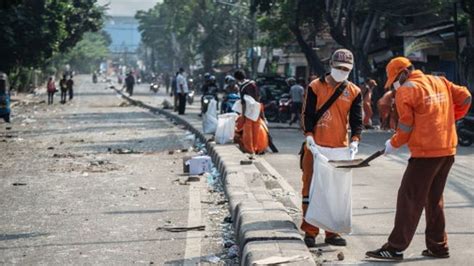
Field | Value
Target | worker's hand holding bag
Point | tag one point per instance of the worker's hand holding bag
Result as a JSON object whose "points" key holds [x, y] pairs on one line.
{"points": [[330, 198]]}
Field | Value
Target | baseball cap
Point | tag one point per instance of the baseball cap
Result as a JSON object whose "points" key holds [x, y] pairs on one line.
{"points": [[342, 57], [394, 67]]}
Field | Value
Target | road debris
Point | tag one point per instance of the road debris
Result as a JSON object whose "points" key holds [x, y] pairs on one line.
{"points": [[178, 229], [213, 259], [18, 184], [123, 151], [340, 256]]}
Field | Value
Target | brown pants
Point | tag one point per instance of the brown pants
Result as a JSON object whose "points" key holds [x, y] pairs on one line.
{"points": [[422, 187], [307, 167]]}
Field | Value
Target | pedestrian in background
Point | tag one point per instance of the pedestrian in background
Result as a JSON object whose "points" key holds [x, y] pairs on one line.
{"points": [[183, 90], [428, 107], [174, 92], [70, 87], [63, 88], [166, 78], [296, 95], [51, 89], [367, 90], [130, 83], [330, 128]]}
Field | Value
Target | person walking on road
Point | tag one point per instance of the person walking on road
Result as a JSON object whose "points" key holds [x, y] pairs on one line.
{"points": [[70, 87], [183, 90], [130, 83], [329, 129], [51, 89], [63, 87], [297, 95], [428, 107]]}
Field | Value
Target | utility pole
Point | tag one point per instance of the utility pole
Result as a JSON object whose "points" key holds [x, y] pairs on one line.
{"points": [[456, 41], [237, 46]]}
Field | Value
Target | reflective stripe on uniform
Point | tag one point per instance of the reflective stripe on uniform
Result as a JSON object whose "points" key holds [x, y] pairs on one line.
{"points": [[408, 84], [405, 128], [305, 200], [467, 101]]}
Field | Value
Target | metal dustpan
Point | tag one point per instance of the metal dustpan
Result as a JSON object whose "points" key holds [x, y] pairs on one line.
{"points": [[357, 163]]}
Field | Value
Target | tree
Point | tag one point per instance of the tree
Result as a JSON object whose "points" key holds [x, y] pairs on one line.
{"points": [[300, 18], [178, 31], [35, 30], [87, 54]]}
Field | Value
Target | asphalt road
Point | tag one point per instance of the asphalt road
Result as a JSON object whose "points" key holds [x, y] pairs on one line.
{"points": [[374, 194], [91, 181]]}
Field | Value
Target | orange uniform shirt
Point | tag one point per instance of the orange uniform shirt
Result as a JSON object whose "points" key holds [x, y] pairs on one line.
{"points": [[331, 129], [428, 107]]}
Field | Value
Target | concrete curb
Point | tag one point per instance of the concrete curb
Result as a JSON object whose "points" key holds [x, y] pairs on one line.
{"points": [[263, 227]]}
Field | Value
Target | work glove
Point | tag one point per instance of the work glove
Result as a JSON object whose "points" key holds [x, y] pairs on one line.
{"points": [[389, 149], [310, 144], [354, 149]]}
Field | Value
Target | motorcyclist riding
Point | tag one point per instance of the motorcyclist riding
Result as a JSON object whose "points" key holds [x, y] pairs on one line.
{"points": [[209, 90]]}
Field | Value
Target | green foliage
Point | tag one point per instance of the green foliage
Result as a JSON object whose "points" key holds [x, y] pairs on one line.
{"points": [[177, 31], [33, 31], [88, 53]]}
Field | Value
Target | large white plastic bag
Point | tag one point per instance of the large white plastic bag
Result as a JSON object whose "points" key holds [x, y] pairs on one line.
{"points": [[252, 108], [330, 198], [209, 119], [225, 128]]}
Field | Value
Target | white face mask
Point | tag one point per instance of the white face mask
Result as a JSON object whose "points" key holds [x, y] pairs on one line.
{"points": [[339, 75]]}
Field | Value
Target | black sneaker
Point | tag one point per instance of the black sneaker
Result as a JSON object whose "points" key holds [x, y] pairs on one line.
{"points": [[385, 253], [336, 241], [310, 241], [429, 253]]}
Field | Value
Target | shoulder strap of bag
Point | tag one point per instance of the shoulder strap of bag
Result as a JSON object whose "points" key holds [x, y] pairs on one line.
{"points": [[331, 100]]}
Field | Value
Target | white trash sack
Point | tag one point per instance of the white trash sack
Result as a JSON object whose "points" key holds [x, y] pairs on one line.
{"points": [[225, 128], [209, 119], [252, 110], [330, 196]]}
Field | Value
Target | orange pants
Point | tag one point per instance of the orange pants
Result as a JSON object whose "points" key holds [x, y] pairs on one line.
{"points": [[251, 135], [307, 167]]}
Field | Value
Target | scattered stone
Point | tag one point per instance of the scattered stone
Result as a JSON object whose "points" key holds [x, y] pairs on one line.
{"points": [[340, 256], [228, 219], [170, 152], [233, 252], [245, 162], [8, 128], [124, 104], [50, 148], [228, 243], [365, 207], [19, 184], [213, 259]]}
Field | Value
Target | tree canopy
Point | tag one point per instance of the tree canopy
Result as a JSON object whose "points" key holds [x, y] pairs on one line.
{"points": [[33, 31]]}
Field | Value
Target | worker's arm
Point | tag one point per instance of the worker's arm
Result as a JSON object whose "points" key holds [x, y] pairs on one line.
{"points": [[462, 99], [355, 118], [308, 116], [405, 111]]}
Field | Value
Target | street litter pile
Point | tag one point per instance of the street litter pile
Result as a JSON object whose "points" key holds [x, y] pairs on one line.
{"points": [[219, 232]]}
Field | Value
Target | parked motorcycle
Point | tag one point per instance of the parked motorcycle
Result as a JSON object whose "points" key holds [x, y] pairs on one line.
{"points": [[465, 130], [206, 99], [284, 108], [154, 87], [228, 102], [271, 111]]}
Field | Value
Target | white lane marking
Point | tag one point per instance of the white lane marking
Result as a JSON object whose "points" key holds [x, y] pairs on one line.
{"points": [[192, 254]]}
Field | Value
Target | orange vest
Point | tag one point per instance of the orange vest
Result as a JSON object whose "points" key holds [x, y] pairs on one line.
{"points": [[331, 129], [428, 107]]}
